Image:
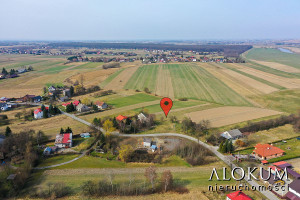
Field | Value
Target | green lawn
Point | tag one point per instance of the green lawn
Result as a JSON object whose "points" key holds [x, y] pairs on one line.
{"points": [[143, 77], [274, 55], [285, 101], [89, 65], [291, 148], [110, 78], [24, 63], [56, 159], [55, 69], [130, 100]]}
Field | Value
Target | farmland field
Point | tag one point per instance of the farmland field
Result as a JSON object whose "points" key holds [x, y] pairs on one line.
{"points": [[229, 115], [188, 81], [274, 55]]}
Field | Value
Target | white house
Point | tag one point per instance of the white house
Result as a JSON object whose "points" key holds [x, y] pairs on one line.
{"points": [[143, 117], [38, 113], [102, 105], [232, 134], [82, 108], [147, 142]]}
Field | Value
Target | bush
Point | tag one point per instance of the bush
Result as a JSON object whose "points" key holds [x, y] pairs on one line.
{"points": [[183, 99]]}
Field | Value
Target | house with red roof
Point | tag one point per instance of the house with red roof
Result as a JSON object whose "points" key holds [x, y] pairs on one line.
{"points": [[63, 140], [75, 103], [101, 105], [38, 113], [121, 118], [238, 195], [267, 151]]}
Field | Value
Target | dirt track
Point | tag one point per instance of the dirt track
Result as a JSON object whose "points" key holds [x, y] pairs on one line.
{"points": [[119, 82], [278, 66], [230, 115]]}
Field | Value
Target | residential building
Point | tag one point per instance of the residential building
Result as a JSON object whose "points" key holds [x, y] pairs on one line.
{"points": [[38, 113], [47, 151], [63, 99], [82, 108], [232, 134], [238, 195], [143, 117], [63, 140], [294, 190], [67, 92], [121, 118], [270, 178], [85, 135], [37, 99], [267, 151], [101, 105], [147, 142]]}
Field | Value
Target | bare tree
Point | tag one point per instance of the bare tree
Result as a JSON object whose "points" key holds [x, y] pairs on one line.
{"points": [[167, 180], [151, 175]]}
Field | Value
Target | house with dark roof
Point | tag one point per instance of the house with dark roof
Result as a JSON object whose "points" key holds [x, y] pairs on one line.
{"points": [[232, 134], [270, 178], [267, 151], [37, 99], [3, 106], [82, 108], [294, 190], [238, 195]]}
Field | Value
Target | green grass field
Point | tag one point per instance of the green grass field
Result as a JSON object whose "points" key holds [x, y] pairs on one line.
{"points": [[274, 55], [55, 160], [143, 77], [89, 65], [285, 101], [55, 69], [196, 83], [291, 148], [130, 100]]}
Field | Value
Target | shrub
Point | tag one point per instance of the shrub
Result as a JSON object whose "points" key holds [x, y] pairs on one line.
{"points": [[183, 99]]}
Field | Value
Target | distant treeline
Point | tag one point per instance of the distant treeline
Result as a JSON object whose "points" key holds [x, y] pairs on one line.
{"points": [[228, 50]]}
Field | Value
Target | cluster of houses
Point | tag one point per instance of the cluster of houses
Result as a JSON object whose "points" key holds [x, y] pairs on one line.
{"points": [[8, 103], [293, 181]]}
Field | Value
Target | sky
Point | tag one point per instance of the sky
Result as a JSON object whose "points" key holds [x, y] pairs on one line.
{"points": [[149, 19]]}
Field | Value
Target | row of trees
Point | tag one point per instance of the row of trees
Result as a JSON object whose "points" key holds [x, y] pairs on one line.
{"points": [[133, 186], [273, 123]]}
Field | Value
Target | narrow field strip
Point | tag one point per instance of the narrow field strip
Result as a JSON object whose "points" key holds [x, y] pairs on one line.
{"points": [[230, 115], [121, 79], [110, 78], [278, 66], [289, 83], [164, 85], [244, 78]]}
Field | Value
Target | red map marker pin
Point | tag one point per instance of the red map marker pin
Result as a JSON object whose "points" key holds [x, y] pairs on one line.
{"points": [[166, 105]]}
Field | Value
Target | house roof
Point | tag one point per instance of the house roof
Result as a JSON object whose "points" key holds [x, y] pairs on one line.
{"points": [[282, 164], [100, 103], [293, 173], [153, 147], [121, 118], [274, 168], [267, 150], [265, 175], [76, 102], [147, 140], [40, 110], [292, 196], [295, 185], [235, 132], [238, 195], [264, 162], [3, 104], [67, 138]]}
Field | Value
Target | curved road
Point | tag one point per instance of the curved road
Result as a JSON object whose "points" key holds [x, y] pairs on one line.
{"points": [[224, 158]]}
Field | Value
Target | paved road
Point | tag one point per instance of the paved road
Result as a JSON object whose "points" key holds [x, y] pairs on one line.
{"points": [[214, 149]]}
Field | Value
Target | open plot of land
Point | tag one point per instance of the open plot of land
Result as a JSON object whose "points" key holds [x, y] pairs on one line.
{"points": [[132, 99], [50, 126], [278, 66], [230, 115], [249, 81], [285, 101], [121, 79], [291, 148], [143, 77], [164, 83], [282, 81], [274, 55], [271, 135]]}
